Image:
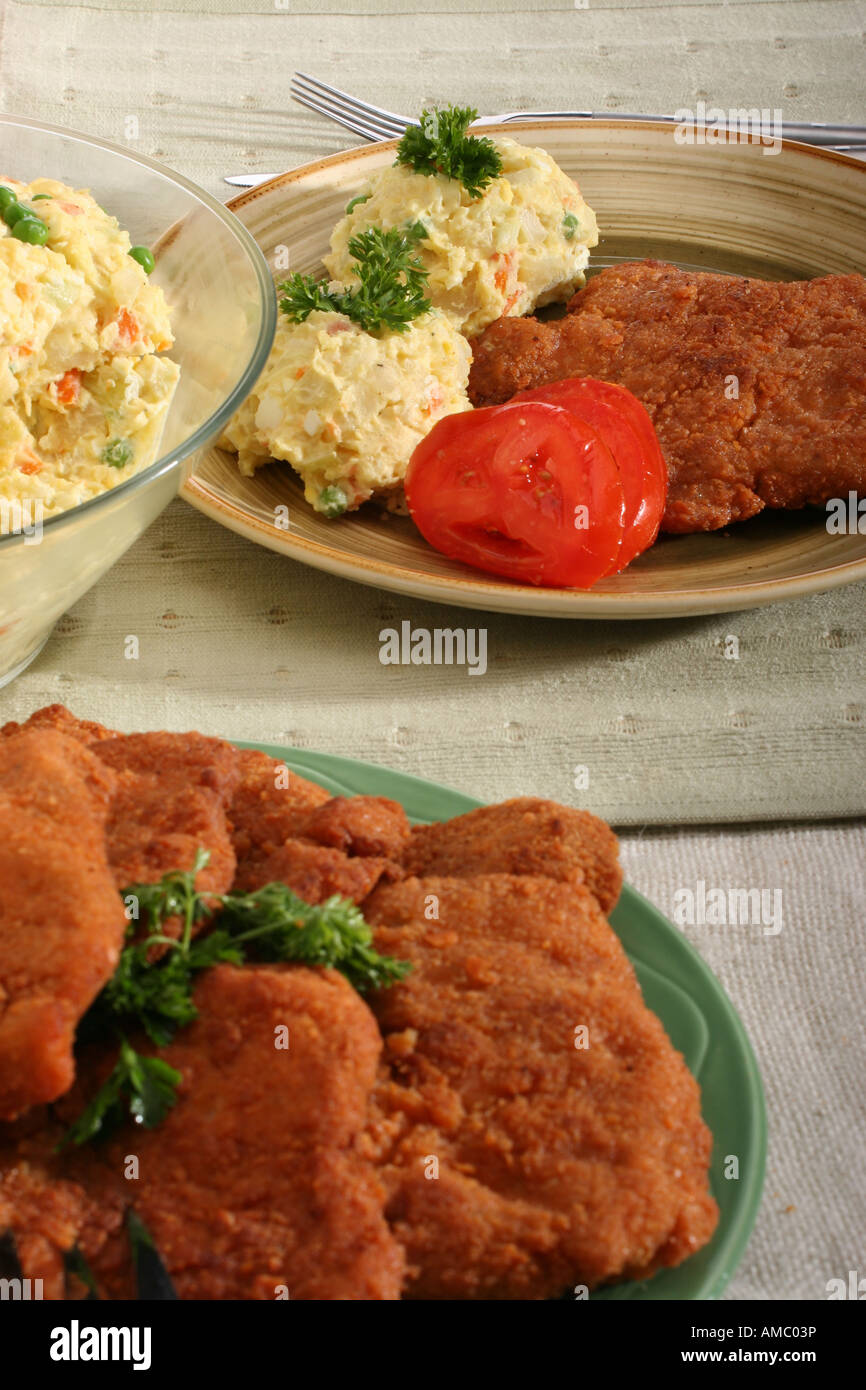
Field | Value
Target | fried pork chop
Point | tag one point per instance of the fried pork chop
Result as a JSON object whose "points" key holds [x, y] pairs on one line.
{"points": [[269, 806], [518, 1161], [47, 1214], [62, 721], [254, 1180], [510, 1159], [757, 390], [170, 798], [255, 1185], [62, 922], [523, 836], [360, 825], [345, 846]]}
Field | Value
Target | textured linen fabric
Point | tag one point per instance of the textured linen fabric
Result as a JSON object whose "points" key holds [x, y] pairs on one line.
{"points": [[669, 730], [800, 996], [643, 723], [236, 641]]}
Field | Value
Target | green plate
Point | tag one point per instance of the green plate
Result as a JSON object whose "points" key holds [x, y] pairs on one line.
{"points": [[678, 986]]}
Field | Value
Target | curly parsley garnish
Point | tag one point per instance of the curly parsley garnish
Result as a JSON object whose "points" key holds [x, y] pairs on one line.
{"points": [[389, 288], [440, 144], [271, 924], [143, 1087]]}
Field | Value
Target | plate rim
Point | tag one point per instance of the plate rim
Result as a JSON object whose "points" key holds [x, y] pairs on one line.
{"points": [[334, 767], [488, 596], [472, 590], [356, 152]]}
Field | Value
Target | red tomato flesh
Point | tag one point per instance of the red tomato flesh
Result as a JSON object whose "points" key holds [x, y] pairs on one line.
{"points": [[526, 490], [628, 432]]}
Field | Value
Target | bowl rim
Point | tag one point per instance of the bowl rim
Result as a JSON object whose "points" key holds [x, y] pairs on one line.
{"points": [[249, 375]]}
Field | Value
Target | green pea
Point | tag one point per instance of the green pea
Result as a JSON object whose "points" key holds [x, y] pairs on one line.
{"points": [[332, 501], [30, 229], [144, 256], [7, 197], [117, 454], [570, 225], [12, 212]]}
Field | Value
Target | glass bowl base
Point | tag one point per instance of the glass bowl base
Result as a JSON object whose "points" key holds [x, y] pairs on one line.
{"points": [[6, 677]]}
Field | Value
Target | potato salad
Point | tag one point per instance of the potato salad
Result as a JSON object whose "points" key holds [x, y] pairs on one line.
{"points": [[522, 244], [458, 231], [346, 408], [84, 391]]}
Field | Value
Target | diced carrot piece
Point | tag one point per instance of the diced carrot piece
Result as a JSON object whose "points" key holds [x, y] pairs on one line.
{"points": [[128, 330], [28, 462], [500, 279], [68, 387]]}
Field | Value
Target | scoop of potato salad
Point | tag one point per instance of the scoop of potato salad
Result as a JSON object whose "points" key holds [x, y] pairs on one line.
{"points": [[346, 407], [83, 390], [524, 242]]}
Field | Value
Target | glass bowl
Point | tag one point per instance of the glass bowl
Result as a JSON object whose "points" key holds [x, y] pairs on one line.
{"points": [[221, 294]]}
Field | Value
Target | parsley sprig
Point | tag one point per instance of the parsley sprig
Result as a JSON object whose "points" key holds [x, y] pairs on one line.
{"points": [[440, 144], [270, 924], [143, 1087], [390, 284]]}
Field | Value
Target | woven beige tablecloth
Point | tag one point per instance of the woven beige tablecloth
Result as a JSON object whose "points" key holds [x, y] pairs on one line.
{"points": [[236, 641]]}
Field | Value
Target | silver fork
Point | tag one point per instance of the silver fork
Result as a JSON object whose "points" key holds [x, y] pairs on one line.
{"points": [[375, 123]]}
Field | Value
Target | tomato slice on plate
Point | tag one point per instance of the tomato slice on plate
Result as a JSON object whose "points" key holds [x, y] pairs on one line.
{"points": [[526, 490], [627, 430]]}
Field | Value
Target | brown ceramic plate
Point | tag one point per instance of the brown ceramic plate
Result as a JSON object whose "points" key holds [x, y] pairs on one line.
{"points": [[731, 208]]}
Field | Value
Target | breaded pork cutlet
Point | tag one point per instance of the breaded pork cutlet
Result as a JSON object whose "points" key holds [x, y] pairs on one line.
{"points": [[315, 873], [538, 1130], [259, 821], [291, 831], [170, 798], [254, 1186], [344, 846], [46, 1213], [757, 389], [62, 721], [50, 1198], [173, 791], [269, 806], [62, 922], [526, 835], [360, 825]]}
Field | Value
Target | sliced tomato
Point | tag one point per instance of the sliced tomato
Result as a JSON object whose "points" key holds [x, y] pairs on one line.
{"points": [[627, 430], [525, 490]]}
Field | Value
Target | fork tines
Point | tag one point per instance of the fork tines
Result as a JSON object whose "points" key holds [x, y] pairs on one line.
{"points": [[371, 121]]}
